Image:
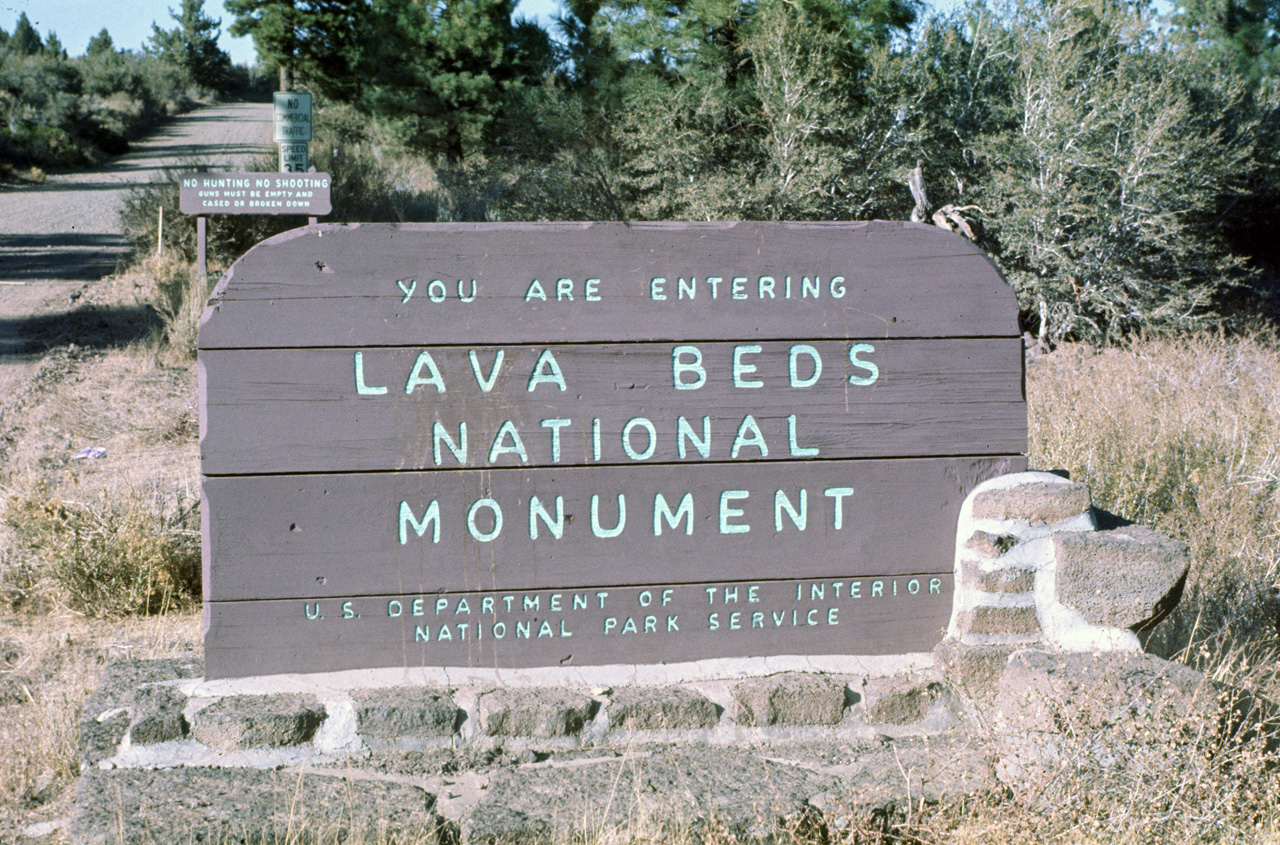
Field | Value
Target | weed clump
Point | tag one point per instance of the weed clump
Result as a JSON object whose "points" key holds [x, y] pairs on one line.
{"points": [[181, 296], [112, 557]]}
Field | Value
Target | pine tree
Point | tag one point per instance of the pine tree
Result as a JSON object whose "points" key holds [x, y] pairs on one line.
{"points": [[25, 40], [1246, 33], [316, 41], [100, 44], [193, 45], [441, 72], [53, 47]]}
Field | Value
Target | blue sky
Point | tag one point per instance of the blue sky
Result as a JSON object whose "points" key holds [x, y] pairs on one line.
{"points": [[129, 21]]}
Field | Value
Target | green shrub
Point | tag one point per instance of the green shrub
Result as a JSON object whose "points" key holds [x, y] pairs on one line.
{"points": [[111, 557]]}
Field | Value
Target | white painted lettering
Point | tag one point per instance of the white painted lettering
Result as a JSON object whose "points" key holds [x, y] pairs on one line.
{"points": [[749, 434], [499, 448], [492, 534], [631, 425], [685, 433], [679, 367], [440, 435], [608, 533], [363, 389], [486, 382], [793, 360], [799, 518], [547, 371], [797, 451], [873, 372], [555, 426], [728, 512], [537, 511], [415, 375], [431, 517], [742, 368], [662, 511]]}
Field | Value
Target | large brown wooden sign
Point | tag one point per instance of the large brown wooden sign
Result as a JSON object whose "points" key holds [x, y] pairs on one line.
{"points": [[573, 444]]}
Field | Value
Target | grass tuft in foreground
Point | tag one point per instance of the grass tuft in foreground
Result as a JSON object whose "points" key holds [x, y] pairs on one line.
{"points": [[111, 557]]}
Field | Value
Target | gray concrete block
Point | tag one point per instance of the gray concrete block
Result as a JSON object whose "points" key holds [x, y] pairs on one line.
{"points": [[793, 698], [973, 670], [157, 715], [538, 713], [489, 824], [1128, 577], [739, 795], [1039, 501], [899, 700], [1007, 579], [406, 712], [1100, 712], [251, 721], [148, 806], [990, 545], [661, 708], [1015, 621], [105, 717]]}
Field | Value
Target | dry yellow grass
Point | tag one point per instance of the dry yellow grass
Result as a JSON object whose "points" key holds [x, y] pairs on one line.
{"points": [[1183, 436]]}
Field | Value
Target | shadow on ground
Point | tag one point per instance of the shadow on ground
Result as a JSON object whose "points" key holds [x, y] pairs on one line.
{"points": [[92, 327], [74, 256]]}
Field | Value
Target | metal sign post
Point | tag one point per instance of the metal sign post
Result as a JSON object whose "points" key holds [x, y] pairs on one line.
{"points": [[202, 264], [202, 241]]}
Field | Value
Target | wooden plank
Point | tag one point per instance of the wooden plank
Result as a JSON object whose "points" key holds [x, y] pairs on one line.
{"points": [[271, 411], [320, 536], [660, 623], [342, 285]]}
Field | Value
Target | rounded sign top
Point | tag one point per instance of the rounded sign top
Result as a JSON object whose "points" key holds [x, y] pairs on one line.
{"points": [[388, 284]]}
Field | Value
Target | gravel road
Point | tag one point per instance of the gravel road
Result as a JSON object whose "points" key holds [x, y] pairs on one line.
{"points": [[67, 228], [59, 235]]}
